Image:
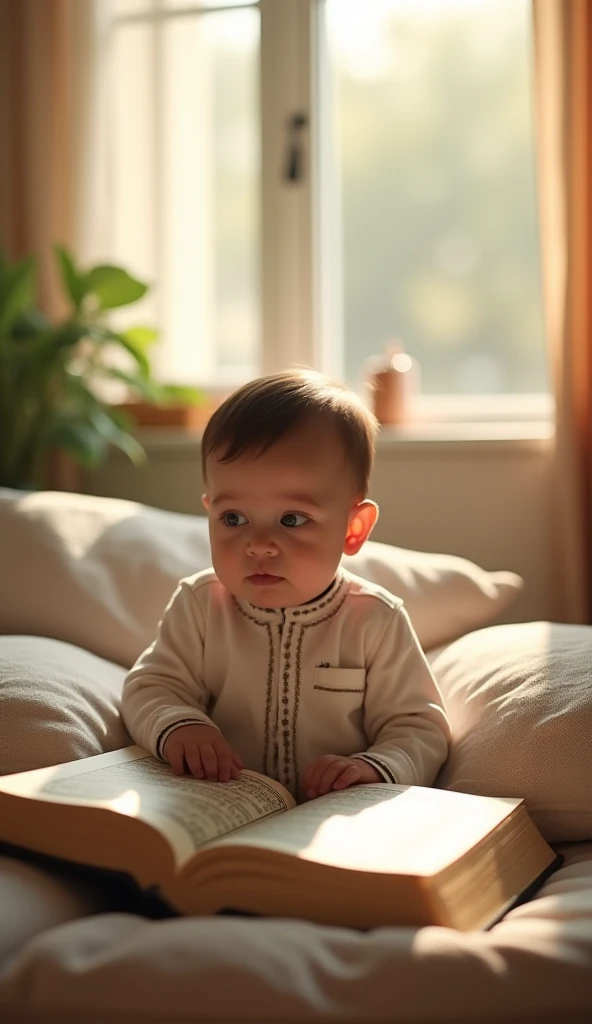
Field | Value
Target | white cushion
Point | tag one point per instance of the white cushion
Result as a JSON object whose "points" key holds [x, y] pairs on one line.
{"points": [[57, 703], [445, 595], [37, 897], [98, 572], [531, 968], [519, 698]]}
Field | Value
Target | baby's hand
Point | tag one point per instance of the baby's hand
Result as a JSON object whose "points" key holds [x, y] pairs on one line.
{"points": [[205, 753], [334, 772]]}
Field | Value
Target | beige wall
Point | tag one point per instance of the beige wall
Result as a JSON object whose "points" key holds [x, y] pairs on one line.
{"points": [[487, 500]]}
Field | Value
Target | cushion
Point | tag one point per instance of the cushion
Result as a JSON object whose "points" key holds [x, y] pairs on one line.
{"points": [[533, 967], [58, 703], [35, 898], [98, 572], [95, 572], [519, 699], [446, 596]]}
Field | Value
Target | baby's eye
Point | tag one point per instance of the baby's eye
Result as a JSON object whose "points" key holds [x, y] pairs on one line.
{"points": [[233, 519], [292, 519]]}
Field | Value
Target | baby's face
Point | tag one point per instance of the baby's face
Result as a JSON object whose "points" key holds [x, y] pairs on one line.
{"points": [[278, 521]]}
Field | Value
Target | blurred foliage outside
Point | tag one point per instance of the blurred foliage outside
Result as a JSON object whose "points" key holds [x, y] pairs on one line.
{"points": [[440, 227], [434, 128]]}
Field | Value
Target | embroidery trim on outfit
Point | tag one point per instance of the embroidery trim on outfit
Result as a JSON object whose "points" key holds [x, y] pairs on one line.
{"points": [[289, 765], [303, 627], [269, 693], [339, 689], [169, 728], [377, 762]]}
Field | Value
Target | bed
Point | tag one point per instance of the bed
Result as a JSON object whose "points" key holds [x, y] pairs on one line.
{"points": [[83, 583]]}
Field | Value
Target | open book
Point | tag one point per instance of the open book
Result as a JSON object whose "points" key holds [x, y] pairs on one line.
{"points": [[367, 856]]}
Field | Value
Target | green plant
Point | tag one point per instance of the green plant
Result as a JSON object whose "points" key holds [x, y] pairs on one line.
{"points": [[53, 375]]}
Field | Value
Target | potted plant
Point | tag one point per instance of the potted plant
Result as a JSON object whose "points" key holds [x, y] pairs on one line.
{"points": [[55, 376]]}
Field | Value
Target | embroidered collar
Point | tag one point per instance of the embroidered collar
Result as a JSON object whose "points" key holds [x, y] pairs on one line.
{"points": [[308, 612]]}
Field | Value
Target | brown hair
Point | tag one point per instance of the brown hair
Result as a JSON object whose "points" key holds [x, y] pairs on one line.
{"points": [[265, 409]]}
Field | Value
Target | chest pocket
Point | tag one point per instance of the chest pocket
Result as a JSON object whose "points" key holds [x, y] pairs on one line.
{"points": [[340, 680]]}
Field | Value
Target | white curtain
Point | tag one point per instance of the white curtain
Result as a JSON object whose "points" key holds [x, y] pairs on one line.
{"points": [[563, 78], [51, 117]]}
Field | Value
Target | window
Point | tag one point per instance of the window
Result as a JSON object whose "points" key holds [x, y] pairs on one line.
{"points": [[185, 178], [435, 142], [410, 211]]}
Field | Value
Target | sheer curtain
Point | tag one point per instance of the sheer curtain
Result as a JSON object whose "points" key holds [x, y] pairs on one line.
{"points": [[49, 122], [563, 77]]}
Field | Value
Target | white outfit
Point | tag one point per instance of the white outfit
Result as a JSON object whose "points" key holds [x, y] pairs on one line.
{"points": [[343, 674]]}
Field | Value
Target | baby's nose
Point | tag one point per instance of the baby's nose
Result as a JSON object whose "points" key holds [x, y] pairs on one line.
{"points": [[261, 543]]}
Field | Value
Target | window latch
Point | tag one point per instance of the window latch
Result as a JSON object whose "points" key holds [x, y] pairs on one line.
{"points": [[295, 156]]}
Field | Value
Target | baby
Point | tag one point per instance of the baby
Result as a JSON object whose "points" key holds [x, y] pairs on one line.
{"points": [[278, 659]]}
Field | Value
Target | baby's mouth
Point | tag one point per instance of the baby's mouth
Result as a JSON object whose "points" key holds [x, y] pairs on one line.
{"points": [[264, 579]]}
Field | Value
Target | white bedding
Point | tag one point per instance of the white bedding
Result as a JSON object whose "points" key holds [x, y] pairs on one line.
{"points": [[520, 704], [535, 965]]}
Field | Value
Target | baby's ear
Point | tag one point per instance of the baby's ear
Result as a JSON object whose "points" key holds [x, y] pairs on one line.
{"points": [[205, 502], [361, 524]]}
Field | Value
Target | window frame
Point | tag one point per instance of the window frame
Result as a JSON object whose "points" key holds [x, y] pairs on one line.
{"points": [[300, 258], [300, 243]]}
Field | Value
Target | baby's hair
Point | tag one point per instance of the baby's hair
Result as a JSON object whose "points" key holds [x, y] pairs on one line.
{"points": [[253, 418]]}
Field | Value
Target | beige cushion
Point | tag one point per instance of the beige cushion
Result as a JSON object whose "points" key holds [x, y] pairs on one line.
{"points": [[57, 703], [98, 572], [533, 968], [95, 572], [35, 897], [519, 698], [445, 595]]}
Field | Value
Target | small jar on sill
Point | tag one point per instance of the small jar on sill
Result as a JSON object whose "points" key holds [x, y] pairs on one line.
{"points": [[393, 381]]}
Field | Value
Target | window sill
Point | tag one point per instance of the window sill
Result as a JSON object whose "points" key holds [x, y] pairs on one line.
{"points": [[488, 434], [411, 437]]}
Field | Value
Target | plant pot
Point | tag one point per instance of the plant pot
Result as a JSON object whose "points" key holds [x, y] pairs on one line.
{"points": [[191, 418]]}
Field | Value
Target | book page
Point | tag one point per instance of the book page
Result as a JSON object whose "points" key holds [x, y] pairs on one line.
{"points": [[406, 829], [141, 786]]}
